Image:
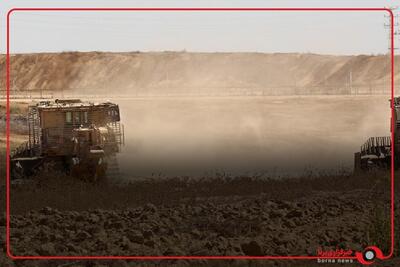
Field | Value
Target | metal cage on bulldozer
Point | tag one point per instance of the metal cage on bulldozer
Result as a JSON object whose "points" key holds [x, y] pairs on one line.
{"points": [[376, 152]]}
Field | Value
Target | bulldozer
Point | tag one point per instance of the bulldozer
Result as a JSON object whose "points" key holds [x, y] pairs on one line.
{"points": [[376, 152], [79, 138]]}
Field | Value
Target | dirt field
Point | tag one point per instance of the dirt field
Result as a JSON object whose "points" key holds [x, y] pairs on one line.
{"points": [[220, 216]]}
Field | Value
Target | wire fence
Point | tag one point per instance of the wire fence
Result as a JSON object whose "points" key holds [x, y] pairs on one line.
{"points": [[201, 92]]}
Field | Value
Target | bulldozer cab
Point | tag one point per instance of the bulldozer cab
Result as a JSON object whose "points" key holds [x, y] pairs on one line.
{"points": [[52, 125]]}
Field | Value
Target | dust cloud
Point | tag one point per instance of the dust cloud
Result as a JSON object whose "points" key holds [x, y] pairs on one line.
{"points": [[287, 135], [195, 134]]}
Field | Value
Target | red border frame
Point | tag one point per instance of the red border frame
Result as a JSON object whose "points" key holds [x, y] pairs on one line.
{"points": [[9, 254]]}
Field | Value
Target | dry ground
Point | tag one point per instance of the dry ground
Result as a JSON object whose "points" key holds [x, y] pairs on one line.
{"points": [[220, 215]]}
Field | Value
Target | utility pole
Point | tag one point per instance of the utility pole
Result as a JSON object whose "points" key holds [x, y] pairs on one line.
{"points": [[388, 25], [396, 33], [351, 81]]}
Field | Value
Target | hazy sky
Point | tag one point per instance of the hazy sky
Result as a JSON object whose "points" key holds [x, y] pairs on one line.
{"points": [[315, 32]]}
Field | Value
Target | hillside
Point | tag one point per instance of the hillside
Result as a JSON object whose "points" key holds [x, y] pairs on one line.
{"points": [[183, 72]]}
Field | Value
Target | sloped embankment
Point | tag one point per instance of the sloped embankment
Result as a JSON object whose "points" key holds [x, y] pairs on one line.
{"points": [[160, 72]]}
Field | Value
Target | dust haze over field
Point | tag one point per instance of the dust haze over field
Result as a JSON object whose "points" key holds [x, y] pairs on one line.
{"points": [[248, 135]]}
